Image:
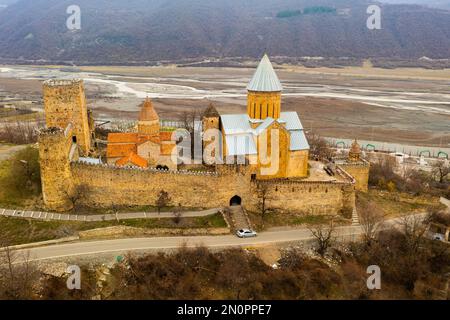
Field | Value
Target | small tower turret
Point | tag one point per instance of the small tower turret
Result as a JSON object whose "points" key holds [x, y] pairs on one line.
{"points": [[148, 119]]}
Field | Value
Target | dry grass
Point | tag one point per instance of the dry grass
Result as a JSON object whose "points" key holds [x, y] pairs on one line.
{"points": [[395, 204]]}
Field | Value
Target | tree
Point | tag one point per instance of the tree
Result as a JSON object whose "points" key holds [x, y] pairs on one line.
{"points": [[188, 119], [371, 218], [319, 148], [17, 273], [264, 195], [77, 194], [163, 200], [440, 171], [177, 215], [414, 229], [324, 237]]}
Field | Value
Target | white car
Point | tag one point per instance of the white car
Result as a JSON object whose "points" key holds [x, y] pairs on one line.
{"points": [[246, 233], [439, 237]]}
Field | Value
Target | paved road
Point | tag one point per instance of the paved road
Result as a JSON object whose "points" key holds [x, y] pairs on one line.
{"points": [[122, 246]]}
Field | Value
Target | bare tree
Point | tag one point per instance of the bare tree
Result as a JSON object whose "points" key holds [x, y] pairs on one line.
{"points": [[324, 237], [77, 194], [414, 229], [163, 200], [319, 148], [440, 170], [188, 119], [17, 272], [177, 215], [20, 132], [264, 195], [371, 218]]}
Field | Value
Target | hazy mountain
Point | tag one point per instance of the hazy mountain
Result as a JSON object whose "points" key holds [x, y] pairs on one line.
{"points": [[145, 30], [443, 4]]}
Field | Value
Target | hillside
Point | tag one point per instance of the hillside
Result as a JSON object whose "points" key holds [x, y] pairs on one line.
{"points": [[114, 31]]}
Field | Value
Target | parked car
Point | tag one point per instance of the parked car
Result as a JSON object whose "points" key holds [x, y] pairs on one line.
{"points": [[439, 237], [246, 233]]}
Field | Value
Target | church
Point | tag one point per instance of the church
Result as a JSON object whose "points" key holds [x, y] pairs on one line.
{"points": [[266, 136], [271, 141], [150, 146]]}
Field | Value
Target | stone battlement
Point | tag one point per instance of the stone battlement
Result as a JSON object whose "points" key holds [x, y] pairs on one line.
{"points": [[138, 169], [62, 83]]}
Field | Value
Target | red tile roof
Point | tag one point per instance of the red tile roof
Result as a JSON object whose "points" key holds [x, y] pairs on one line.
{"points": [[132, 159]]}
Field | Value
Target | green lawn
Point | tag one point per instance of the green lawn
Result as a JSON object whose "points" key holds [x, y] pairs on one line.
{"points": [[20, 231]]}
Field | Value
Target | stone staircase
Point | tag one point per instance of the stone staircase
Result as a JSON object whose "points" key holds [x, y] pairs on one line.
{"points": [[237, 218], [355, 218]]}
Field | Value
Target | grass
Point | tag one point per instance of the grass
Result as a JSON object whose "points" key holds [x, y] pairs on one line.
{"points": [[276, 219], [27, 230], [34, 116], [395, 204]]}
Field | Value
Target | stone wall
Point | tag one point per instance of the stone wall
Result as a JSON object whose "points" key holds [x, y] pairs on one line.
{"points": [[318, 198], [360, 172], [107, 185], [65, 180]]}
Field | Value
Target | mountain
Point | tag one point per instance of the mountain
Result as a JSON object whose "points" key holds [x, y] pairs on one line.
{"points": [[117, 31], [442, 4]]}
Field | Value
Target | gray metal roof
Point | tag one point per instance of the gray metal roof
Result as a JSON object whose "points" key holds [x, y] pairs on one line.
{"points": [[298, 141], [265, 79], [292, 120], [239, 135], [240, 144], [236, 123]]}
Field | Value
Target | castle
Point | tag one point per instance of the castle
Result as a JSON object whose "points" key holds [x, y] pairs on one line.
{"points": [[139, 164]]}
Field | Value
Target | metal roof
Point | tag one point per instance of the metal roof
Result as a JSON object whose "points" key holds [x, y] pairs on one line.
{"points": [[298, 141], [265, 79], [240, 144], [90, 160], [236, 123], [239, 134], [292, 120]]}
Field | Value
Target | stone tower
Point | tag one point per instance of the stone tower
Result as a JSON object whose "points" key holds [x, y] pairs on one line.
{"points": [[210, 120], [354, 154], [56, 148], [264, 92], [148, 123], [64, 103]]}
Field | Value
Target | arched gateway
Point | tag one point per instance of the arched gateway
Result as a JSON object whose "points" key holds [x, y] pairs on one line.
{"points": [[235, 201]]}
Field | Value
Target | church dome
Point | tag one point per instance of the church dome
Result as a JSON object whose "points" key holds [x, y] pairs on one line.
{"points": [[148, 113], [355, 151]]}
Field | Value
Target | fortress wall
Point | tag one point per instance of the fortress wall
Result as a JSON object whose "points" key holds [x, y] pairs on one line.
{"points": [[318, 198], [106, 185], [360, 172], [55, 147]]}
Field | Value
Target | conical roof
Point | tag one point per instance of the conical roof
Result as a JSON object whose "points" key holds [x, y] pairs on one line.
{"points": [[355, 148], [265, 79], [148, 113], [210, 112]]}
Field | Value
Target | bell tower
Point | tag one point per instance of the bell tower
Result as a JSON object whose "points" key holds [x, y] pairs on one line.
{"points": [[264, 92], [148, 123]]}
